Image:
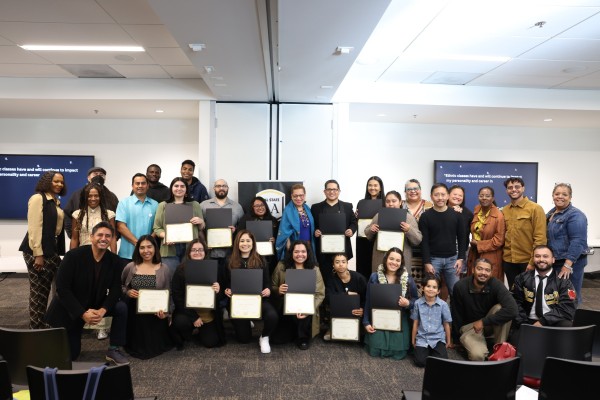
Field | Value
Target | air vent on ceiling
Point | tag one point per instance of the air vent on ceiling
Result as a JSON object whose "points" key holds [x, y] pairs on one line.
{"points": [[91, 71]]}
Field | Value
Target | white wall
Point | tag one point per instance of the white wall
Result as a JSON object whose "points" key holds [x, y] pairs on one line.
{"points": [[309, 151]]}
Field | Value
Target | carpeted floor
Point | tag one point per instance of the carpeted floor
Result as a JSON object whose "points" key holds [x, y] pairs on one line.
{"points": [[328, 370]]}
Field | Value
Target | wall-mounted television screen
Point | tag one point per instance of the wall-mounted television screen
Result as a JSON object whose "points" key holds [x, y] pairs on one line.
{"points": [[19, 173], [472, 175]]}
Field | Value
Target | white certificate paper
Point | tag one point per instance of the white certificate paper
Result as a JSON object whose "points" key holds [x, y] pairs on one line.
{"points": [[199, 296], [299, 303], [387, 320], [151, 301], [388, 239], [248, 306], [362, 225], [333, 244], [345, 329], [179, 233], [218, 237], [264, 248]]}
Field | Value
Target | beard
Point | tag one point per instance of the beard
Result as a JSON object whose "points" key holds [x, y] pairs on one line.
{"points": [[221, 195]]}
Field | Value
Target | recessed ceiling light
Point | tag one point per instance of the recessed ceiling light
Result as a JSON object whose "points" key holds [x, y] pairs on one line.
{"points": [[160, 111], [548, 120], [39, 47]]}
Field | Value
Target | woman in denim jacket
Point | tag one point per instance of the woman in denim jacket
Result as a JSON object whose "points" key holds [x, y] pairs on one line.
{"points": [[567, 236]]}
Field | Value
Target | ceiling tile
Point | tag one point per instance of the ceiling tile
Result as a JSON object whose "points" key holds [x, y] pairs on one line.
{"points": [[591, 81], [33, 71], [69, 11], [524, 81], [182, 72], [74, 34], [16, 55], [168, 56], [548, 68], [566, 49], [90, 57], [151, 35], [141, 71]]}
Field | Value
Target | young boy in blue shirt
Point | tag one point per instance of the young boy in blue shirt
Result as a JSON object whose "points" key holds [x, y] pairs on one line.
{"points": [[431, 323]]}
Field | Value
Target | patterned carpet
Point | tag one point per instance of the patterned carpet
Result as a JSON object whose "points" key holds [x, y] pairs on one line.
{"points": [[327, 370]]}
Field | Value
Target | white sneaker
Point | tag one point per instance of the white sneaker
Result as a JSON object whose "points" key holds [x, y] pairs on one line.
{"points": [[265, 347], [252, 324], [102, 334]]}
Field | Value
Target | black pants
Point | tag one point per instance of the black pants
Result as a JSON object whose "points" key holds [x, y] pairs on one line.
{"points": [[421, 353], [512, 270], [118, 329], [291, 328], [243, 330], [182, 326]]}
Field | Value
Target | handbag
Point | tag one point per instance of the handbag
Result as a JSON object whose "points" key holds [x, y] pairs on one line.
{"points": [[503, 351]]}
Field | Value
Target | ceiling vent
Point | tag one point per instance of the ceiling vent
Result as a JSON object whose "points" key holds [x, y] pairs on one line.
{"points": [[91, 71]]}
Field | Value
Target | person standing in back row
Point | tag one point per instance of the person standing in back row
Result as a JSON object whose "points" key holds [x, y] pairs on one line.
{"points": [[442, 229], [525, 229], [196, 190]]}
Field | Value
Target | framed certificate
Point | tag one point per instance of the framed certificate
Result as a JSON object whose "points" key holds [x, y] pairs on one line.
{"points": [[151, 301], [248, 306], [388, 239], [264, 248], [362, 225], [218, 237], [299, 303], [387, 320], [199, 296], [179, 233], [333, 243], [345, 329]]}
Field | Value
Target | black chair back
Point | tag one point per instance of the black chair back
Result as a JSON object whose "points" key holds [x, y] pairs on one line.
{"points": [[38, 347], [538, 342], [589, 317], [567, 379], [115, 383], [468, 380], [5, 384]]}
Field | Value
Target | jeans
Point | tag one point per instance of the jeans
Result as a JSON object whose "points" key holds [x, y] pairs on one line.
{"points": [[445, 266], [577, 276]]}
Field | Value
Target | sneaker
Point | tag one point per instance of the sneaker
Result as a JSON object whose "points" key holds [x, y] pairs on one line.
{"points": [[327, 336], [252, 324], [265, 347], [116, 356], [303, 345], [102, 334]]}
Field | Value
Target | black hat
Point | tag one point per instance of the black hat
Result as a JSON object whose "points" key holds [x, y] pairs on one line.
{"points": [[96, 169]]}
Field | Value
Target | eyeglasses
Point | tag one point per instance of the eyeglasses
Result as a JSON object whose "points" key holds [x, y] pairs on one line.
{"points": [[332, 190], [297, 196], [221, 186], [197, 251], [258, 206], [412, 189]]}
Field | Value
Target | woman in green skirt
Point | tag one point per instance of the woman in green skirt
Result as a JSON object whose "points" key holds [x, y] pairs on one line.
{"points": [[389, 343]]}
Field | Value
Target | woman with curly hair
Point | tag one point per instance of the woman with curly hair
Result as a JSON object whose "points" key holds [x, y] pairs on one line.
{"points": [[92, 211], [380, 343], [43, 243]]}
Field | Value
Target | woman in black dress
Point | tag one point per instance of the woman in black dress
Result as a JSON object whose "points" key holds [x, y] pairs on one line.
{"points": [[364, 246], [147, 334]]}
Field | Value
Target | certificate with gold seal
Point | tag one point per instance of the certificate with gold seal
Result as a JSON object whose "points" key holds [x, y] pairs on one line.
{"points": [[388, 239], [387, 320], [199, 296], [179, 233], [248, 306], [151, 301], [345, 329], [299, 303]]}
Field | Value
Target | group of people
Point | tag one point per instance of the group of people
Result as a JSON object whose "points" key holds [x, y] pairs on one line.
{"points": [[445, 251]]}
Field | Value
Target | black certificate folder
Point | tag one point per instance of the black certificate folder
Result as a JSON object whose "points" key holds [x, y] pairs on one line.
{"points": [[301, 280], [262, 230], [246, 281], [385, 296], [218, 218], [201, 272], [341, 305], [178, 213], [389, 218], [368, 208], [333, 224]]}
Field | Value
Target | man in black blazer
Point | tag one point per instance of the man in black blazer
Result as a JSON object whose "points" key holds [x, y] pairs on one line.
{"points": [[88, 287], [332, 205]]}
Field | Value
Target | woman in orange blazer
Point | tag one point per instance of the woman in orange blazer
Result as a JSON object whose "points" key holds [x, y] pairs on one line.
{"points": [[487, 233]]}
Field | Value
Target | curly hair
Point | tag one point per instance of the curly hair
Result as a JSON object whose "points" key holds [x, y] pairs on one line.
{"points": [[400, 270], [44, 184], [83, 204]]}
